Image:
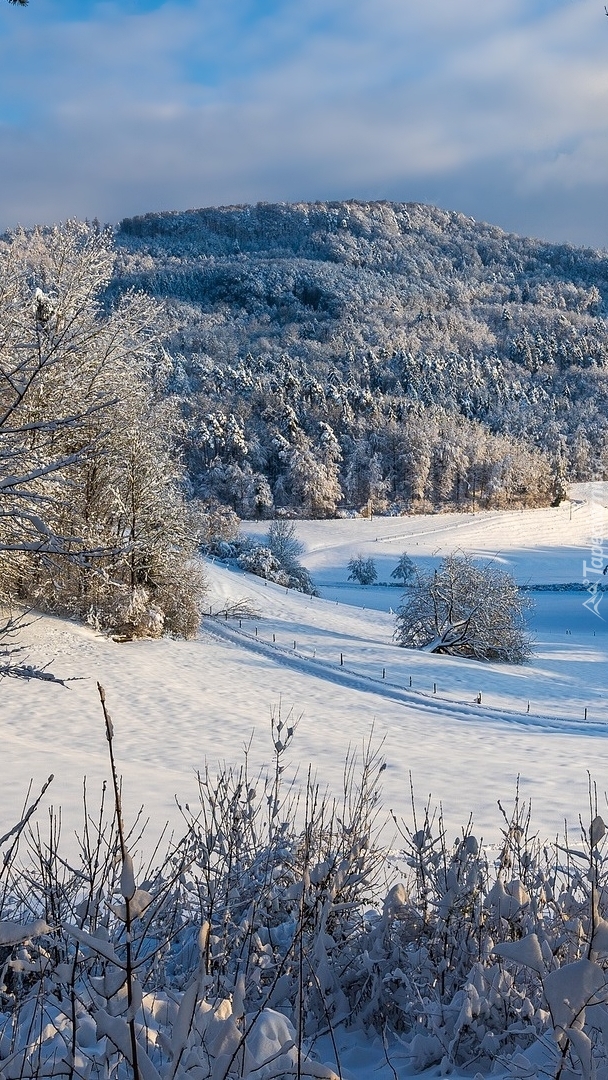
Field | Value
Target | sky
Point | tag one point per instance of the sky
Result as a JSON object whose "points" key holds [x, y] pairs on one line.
{"points": [[498, 109]]}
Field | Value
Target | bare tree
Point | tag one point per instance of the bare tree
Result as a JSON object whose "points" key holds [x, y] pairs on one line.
{"points": [[283, 542], [92, 521], [466, 610], [59, 373]]}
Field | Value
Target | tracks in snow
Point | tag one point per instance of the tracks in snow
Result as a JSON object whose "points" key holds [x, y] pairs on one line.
{"points": [[466, 712]]}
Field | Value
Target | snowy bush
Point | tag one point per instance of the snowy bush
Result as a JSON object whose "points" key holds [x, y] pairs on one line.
{"points": [[270, 920], [219, 524], [137, 617], [209, 965], [467, 610], [260, 560], [277, 560]]}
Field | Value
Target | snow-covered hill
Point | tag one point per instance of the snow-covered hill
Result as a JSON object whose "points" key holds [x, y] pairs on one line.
{"points": [[332, 661], [384, 345]]}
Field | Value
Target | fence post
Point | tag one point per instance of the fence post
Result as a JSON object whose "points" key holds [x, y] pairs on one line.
{"points": [[341, 660]]}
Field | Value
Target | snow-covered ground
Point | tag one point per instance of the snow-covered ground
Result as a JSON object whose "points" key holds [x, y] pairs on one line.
{"points": [[333, 662]]}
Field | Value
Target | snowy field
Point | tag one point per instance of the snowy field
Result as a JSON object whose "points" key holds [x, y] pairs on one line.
{"points": [[332, 661], [332, 664]]}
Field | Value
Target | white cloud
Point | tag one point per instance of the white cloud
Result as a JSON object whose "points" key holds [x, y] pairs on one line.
{"points": [[189, 104]]}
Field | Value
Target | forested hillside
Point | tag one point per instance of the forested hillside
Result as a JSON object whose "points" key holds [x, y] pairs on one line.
{"points": [[327, 354]]}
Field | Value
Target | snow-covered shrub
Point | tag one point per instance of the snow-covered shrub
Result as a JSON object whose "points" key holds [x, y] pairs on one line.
{"points": [[277, 560], [183, 968], [270, 920], [259, 560], [137, 617], [218, 523], [180, 597]]}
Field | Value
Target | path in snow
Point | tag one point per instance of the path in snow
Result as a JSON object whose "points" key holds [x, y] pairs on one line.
{"points": [[176, 704], [456, 709]]}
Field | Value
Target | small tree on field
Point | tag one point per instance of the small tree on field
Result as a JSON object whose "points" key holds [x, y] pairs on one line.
{"points": [[405, 570], [362, 570], [284, 543], [285, 546], [465, 610]]}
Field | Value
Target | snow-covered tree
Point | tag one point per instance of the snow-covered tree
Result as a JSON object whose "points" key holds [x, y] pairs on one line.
{"points": [[285, 546], [363, 481], [283, 542], [362, 570], [92, 520], [248, 493], [405, 570], [467, 610], [314, 484]]}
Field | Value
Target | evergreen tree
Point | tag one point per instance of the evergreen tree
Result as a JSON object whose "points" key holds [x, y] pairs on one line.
{"points": [[405, 570], [362, 570]]}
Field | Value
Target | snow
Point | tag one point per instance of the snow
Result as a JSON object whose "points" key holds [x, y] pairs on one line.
{"points": [[331, 662], [177, 704]]}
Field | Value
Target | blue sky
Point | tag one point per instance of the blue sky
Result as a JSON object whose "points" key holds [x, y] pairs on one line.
{"points": [[497, 108]]}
